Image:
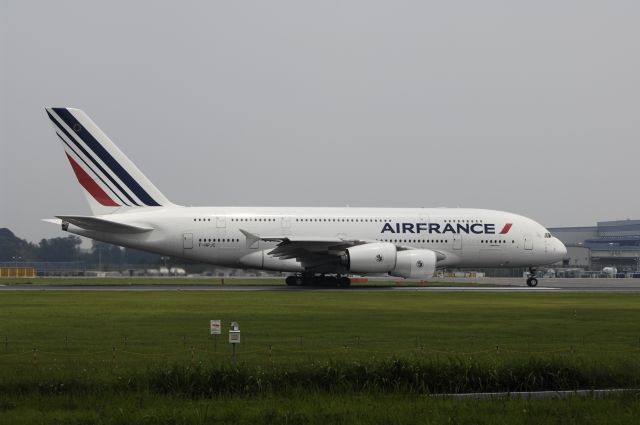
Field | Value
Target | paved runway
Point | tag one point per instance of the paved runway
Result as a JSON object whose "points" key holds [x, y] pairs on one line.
{"points": [[474, 285]]}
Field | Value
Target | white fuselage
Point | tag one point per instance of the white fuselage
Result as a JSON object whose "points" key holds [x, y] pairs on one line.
{"points": [[129, 210], [217, 235]]}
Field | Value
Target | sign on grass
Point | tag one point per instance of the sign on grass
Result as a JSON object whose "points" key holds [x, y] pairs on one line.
{"points": [[216, 327]]}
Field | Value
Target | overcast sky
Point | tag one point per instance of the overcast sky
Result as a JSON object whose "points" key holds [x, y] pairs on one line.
{"points": [[531, 107]]}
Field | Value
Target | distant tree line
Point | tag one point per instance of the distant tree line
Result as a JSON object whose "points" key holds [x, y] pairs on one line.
{"points": [[67, 248]]}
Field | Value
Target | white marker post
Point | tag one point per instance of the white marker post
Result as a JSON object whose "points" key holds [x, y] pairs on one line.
{"points": [[216, 329], [234, 339]]}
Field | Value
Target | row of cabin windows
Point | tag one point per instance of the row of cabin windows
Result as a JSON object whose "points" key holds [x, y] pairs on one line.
{"points": [[415, 240], [464, 221], [253, 219], [438, 241], [218, 240], [351, 220], [238, 219], [374, 220], [381, 240]]}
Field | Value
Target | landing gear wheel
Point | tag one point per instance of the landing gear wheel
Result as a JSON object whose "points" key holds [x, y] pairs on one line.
{"points": [[344, 282], [294, 281], [531, 280], [317, 280]]}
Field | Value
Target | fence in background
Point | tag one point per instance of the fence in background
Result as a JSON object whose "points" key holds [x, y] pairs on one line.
{"points": [[17, 272]]}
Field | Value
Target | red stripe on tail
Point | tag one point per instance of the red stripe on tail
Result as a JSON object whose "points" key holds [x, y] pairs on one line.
{"points": [[506, 228], [91, 186]]}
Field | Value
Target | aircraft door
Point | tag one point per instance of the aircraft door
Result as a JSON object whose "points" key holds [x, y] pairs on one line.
{"points": [[187, 241], [457, 241], [221, 222], [285, 225], [528, 242]]}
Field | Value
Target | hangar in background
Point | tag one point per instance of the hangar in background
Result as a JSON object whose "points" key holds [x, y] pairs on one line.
{"points": [[609, 243]]}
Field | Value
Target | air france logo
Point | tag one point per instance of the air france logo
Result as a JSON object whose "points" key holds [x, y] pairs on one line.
{"points": [[437, 228]]}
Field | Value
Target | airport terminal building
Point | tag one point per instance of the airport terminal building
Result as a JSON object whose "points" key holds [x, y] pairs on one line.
{"points": [[608, 244]]}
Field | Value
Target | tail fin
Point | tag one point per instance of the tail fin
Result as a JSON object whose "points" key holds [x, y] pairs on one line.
{"points": [[110, 180]]}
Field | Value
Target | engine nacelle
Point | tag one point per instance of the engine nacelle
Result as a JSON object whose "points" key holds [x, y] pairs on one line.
{"points": [[415, 264], [371, 258], [262, 260]]}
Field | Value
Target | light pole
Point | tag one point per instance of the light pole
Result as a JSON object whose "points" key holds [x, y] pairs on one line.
{"points": [[15, 259], [612, 254]]}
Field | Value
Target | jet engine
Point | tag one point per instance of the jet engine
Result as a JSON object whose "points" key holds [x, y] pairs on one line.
{"points": [[262, 260], [371, 258], [382, 257], [415, 264]]}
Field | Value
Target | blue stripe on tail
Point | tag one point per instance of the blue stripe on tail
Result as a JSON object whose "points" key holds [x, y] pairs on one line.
{"points": [[105, 157], [96, 163], [92, 170]]}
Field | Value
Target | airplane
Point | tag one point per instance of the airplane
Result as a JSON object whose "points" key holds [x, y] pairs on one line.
{"points": [[316, 245]]}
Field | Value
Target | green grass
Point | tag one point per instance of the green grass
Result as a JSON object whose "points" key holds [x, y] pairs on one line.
{"points": [[362, 354], [300, 325], [315, 408]]}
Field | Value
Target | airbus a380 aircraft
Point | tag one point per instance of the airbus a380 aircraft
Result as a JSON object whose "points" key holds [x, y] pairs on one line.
{"points": [[318, 245]]}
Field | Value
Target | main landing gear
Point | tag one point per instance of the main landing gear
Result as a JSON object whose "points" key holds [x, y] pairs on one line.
{"points": [[318, 280], [532, 280]]}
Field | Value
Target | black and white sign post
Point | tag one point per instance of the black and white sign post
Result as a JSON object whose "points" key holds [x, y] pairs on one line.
{"points": [[216, 329], [234, 339]]}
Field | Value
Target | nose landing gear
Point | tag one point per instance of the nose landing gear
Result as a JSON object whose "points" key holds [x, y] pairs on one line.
{"points": [[532, 280]]}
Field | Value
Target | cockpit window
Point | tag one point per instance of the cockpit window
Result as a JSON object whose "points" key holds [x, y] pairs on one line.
{"points": [[547, 235]]}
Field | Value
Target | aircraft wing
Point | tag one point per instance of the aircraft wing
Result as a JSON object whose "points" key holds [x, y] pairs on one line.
{"points": [[311, 250], [305, 249]]}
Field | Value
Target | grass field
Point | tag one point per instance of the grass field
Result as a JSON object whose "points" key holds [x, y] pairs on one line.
{"points": [[313, 356], [316, 408]]}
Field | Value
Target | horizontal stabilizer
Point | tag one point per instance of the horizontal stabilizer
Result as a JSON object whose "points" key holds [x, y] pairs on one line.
{"points": [[101, 225]]}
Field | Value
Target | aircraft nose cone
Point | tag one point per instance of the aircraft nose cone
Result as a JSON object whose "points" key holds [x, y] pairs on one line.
{"points": [[559, 249], [563, 249]]}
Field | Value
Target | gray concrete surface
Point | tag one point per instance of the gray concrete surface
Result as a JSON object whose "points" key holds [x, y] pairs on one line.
{"points": [[502, 285]]}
